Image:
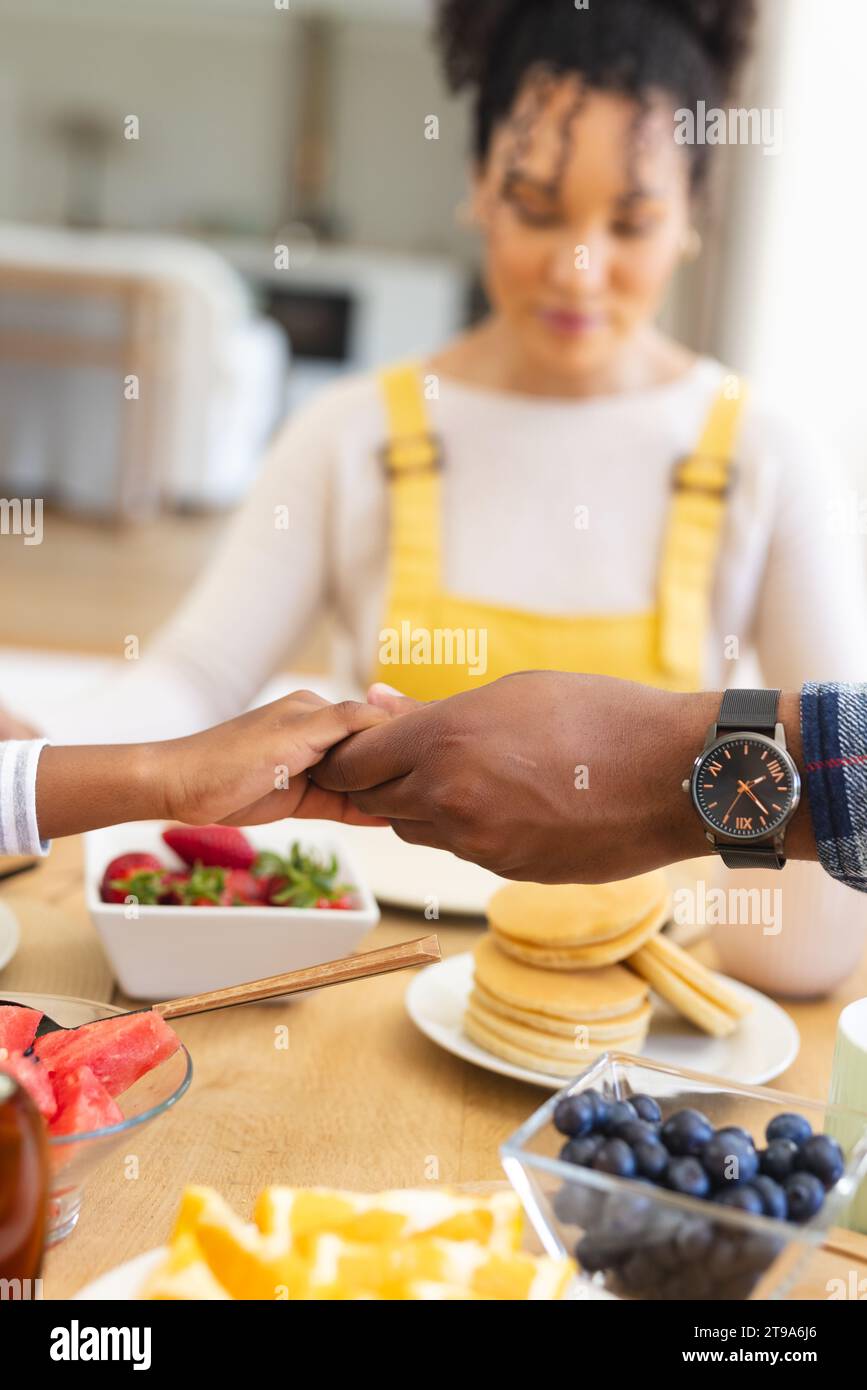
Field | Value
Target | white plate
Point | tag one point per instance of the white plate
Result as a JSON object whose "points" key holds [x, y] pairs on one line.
{"points": [[417, 876], [765, 1043], [122, 1285], [10, 934], [124, 1282]]}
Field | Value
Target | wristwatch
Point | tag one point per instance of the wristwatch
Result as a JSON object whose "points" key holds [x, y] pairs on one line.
{"points": [[744, 784]]}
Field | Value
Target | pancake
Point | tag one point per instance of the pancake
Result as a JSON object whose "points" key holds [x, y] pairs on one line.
{"points": [[579, 997], [694, 991], [591, 956], [600, 1028], [550, 1044], [560, 915], [522, 1056]]}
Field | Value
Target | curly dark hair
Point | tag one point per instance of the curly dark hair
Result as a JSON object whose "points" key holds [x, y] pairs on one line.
{"points": [[689, 49]]}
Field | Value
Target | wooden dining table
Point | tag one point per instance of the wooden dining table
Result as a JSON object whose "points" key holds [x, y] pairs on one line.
{"points": [[337, 1088]]}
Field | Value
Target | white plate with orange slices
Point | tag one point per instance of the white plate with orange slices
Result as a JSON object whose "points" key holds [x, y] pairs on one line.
{"points": [[428, 1244]]}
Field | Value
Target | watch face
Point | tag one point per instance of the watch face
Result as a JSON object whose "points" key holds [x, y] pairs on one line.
{"points": [[745, 787]]}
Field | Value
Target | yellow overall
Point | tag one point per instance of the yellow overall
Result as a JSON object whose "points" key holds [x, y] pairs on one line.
{"points": [[430, 637]]}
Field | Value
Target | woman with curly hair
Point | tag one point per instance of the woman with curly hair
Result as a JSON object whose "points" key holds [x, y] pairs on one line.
{"points": [[564, 485]]}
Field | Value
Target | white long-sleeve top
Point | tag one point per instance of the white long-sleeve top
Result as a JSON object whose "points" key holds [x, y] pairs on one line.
{"points": [[19, 832], [790, 584]]}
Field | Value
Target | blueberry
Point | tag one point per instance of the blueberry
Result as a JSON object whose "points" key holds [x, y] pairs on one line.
{"points": [[602, 1109], [744, 1198], [793, 1127], [575, 1115], [687, 1176], [651, 1159], [729, 1157], [686, 1132], [646, 1108], [614, 1156], [625, 1215], [805, 1195], [743, 1134], [778, 1159], [693, 1238], [582, 1151], [773, 1197], [575, 1204], [635, 1132], [822, 1156], [619, 1112]]}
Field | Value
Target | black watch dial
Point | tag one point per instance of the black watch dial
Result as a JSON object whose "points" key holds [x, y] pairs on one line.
{"points": [[745, 787]]}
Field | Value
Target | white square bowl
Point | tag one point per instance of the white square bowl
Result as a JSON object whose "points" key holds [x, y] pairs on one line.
{"points": [[166, 952]]}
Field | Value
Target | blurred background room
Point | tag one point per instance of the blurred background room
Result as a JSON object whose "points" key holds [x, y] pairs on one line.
{"points": [[211, 208]]}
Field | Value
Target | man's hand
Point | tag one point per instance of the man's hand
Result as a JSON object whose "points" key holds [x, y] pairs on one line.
{"points": [[540, 775], [245, 772]]}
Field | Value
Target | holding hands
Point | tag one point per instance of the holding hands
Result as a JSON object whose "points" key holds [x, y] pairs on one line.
{"points": [[541, 775]]}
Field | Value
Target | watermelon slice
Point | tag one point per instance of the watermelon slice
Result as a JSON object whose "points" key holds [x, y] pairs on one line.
{"points": [[18, 1027], [117, 1050], [83, 1104], [34, 1076]]}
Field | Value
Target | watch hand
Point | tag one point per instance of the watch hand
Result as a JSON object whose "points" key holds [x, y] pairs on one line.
{"points": [[734, 803], [750, 793]]}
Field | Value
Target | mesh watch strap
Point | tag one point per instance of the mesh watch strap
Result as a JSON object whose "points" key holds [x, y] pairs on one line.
{"points": [[758, 857], [750, 711]]}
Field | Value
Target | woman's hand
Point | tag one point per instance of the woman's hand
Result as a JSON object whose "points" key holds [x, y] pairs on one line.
{"points": [[254, 768], [245, 772]]}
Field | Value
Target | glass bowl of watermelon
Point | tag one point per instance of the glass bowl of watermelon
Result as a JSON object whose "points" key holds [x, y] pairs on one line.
{"points": [[114, 1073]]}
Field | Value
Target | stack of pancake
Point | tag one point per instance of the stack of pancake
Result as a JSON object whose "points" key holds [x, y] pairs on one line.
{"points": [[566, 971], [549, 1020]]}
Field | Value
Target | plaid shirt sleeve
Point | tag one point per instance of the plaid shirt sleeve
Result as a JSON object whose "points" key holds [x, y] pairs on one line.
{"points": [[834, 733]]}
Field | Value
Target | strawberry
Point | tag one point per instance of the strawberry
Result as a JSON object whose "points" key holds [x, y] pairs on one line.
{"points": [[215, 846], [343, 903], [300, 880], [244, 887], [132, 875], [173, 886], [202, 887]]}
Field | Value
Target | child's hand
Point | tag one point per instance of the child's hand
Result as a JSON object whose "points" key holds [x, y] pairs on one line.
{"points": [[254, 768]]}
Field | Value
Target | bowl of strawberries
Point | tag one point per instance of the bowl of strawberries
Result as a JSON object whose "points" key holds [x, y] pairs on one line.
{"points": [[182, 909]]}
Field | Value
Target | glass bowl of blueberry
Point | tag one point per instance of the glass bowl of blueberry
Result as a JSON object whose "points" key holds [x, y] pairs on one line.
{"points": [[667, 1184]]}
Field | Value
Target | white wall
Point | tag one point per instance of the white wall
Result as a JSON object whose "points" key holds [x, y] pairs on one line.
{"points": [[794, 305], [212, 84], [212, 99]]}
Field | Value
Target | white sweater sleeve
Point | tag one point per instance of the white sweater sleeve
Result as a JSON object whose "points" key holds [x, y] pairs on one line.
{"points": [[811, 614], [250, 607], [19, 833]]}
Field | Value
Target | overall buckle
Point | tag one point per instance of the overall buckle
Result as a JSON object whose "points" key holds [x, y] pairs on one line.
{"points": [[680, 483], [412, 453]]}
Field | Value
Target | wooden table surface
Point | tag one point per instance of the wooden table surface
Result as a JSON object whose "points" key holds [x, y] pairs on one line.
{"points": [[359, 1099]]}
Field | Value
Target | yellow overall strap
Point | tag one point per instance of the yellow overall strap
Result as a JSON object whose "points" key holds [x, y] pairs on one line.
{"points": [[412, 460], [701, 483]]}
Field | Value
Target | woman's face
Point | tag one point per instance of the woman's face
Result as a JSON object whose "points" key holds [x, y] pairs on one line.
{"points": [[584, 204]]}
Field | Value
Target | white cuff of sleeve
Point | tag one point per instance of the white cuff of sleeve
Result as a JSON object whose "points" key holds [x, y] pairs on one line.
{"points": [[19, 831]]}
